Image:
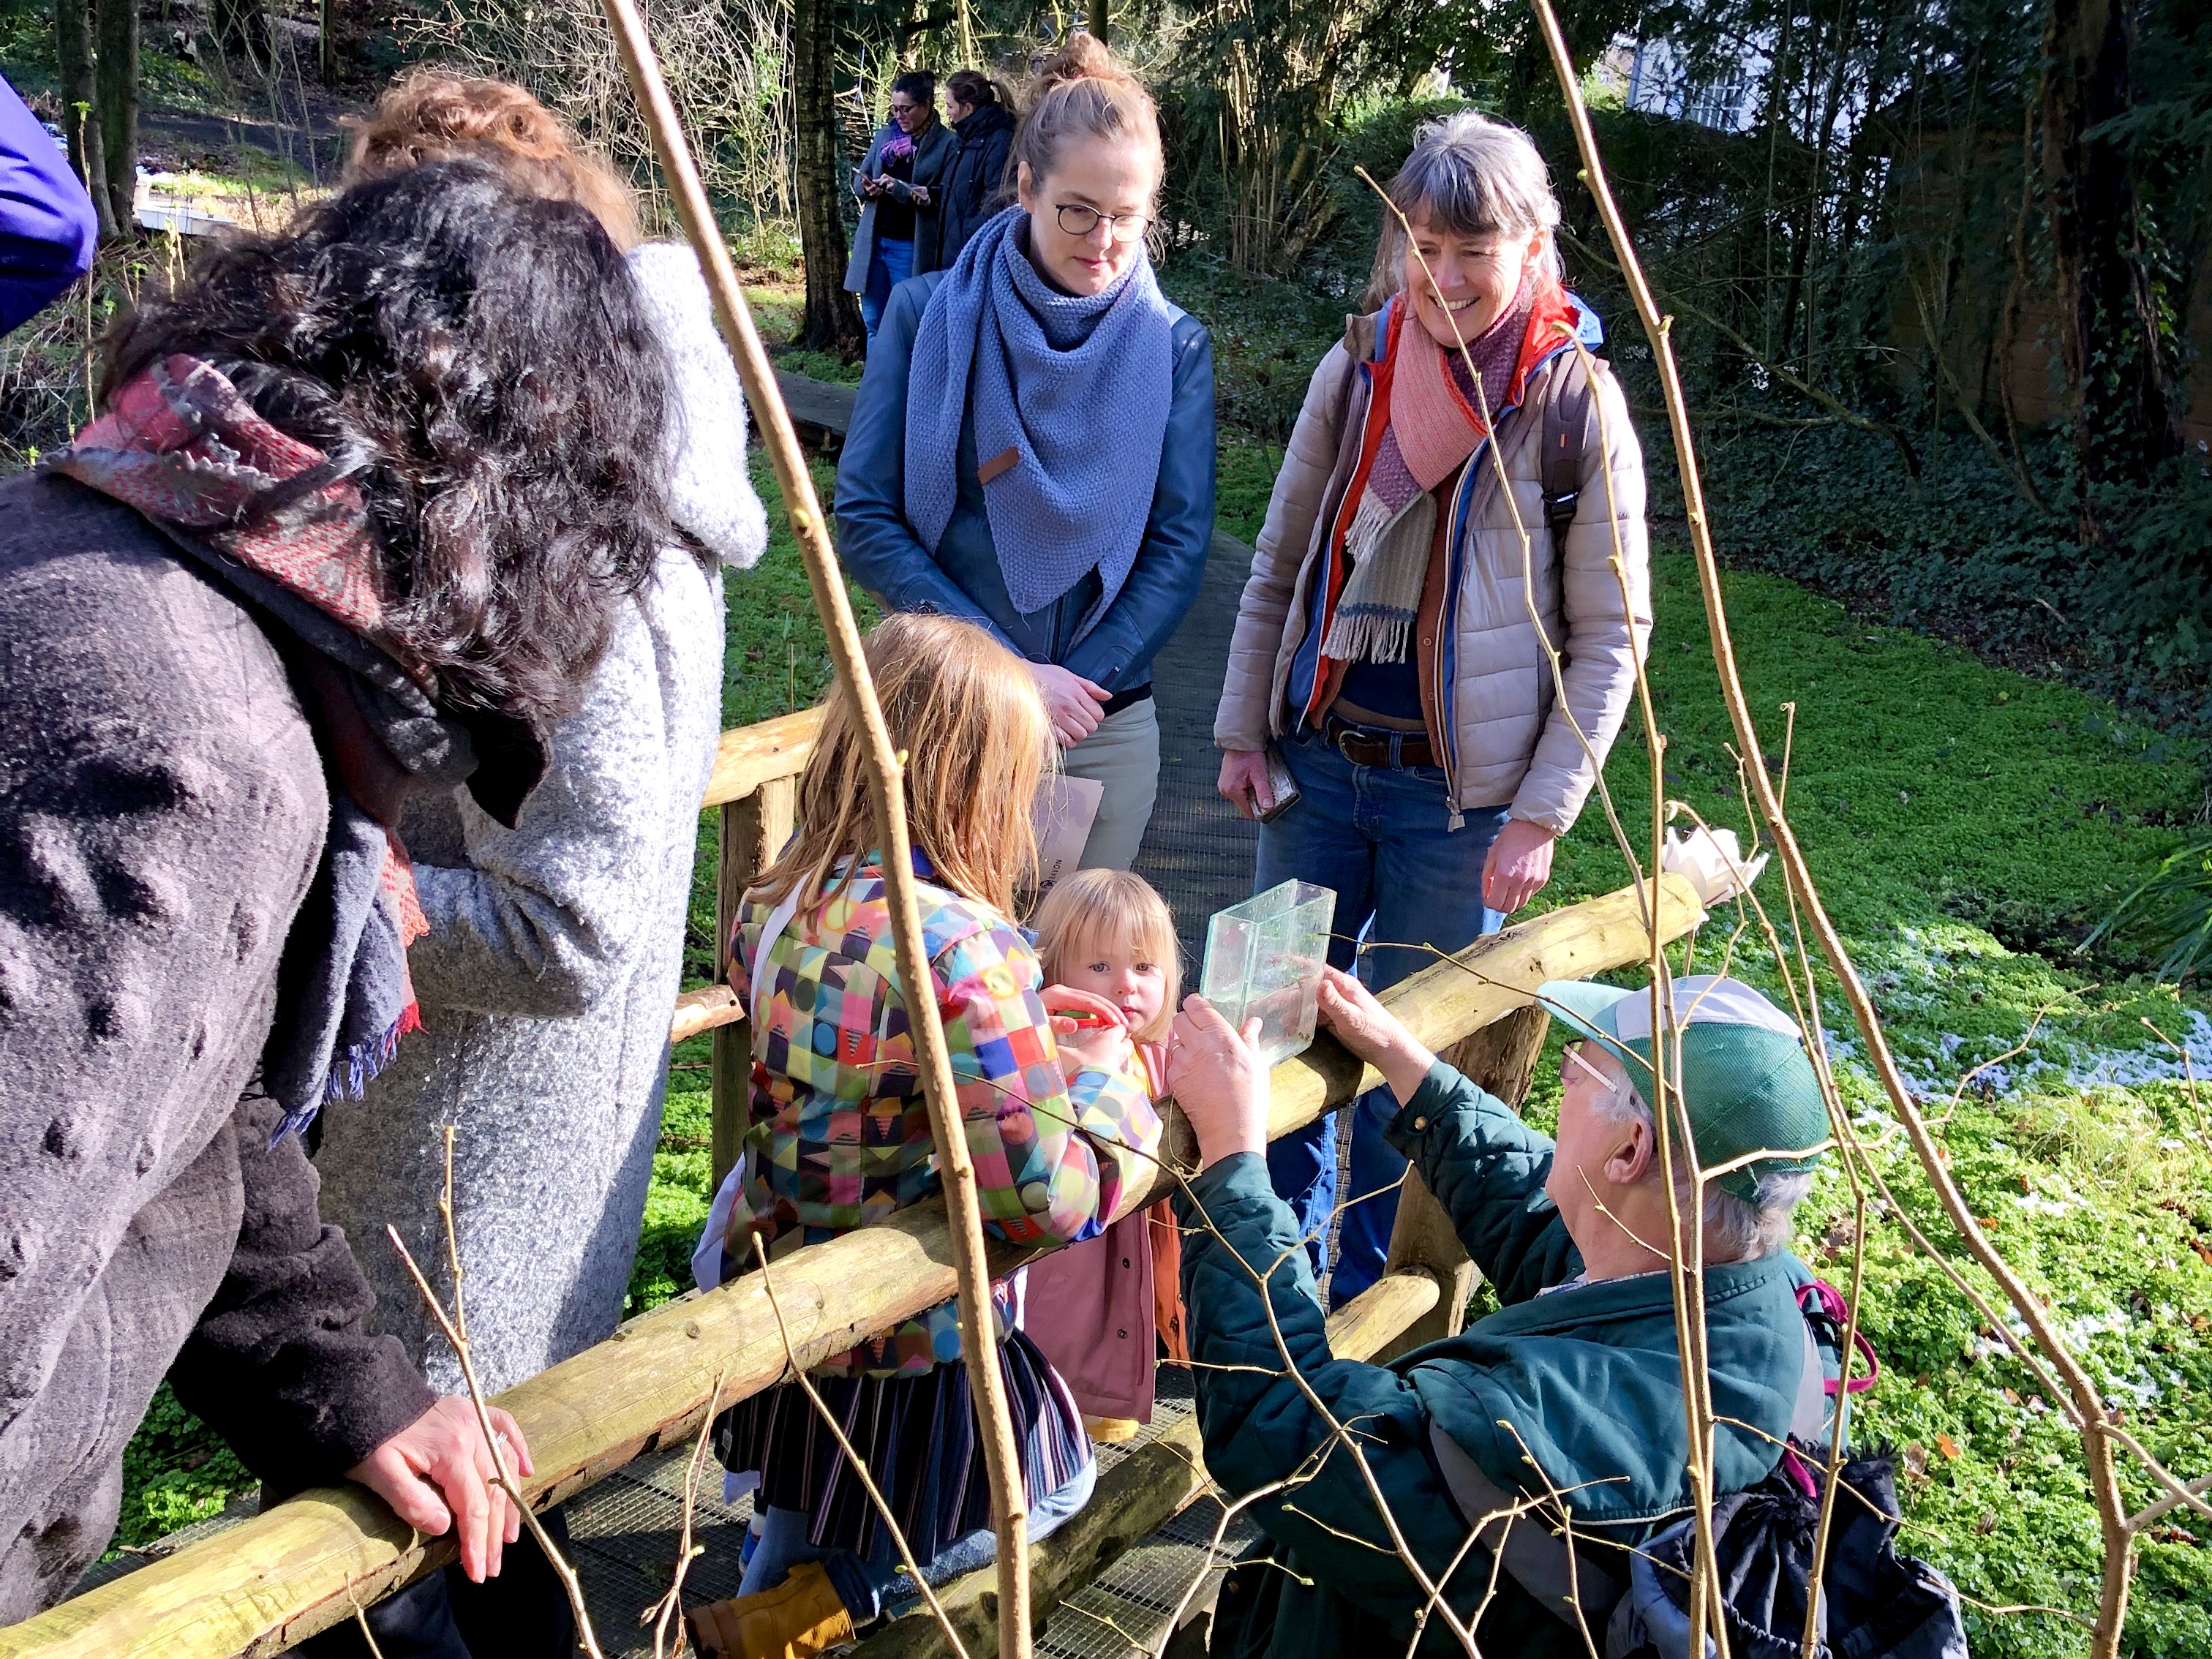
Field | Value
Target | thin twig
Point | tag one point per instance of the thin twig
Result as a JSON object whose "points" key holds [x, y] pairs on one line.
{"points": [[2103, 1477], [859, 1465], [887, 800], [670, 1608], [504, 1478]]}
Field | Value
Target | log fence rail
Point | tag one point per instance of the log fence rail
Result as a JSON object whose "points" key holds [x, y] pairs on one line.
{"points": [[303, 1565]]}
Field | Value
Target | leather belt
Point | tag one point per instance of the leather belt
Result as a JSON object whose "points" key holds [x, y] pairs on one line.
{"points": [[1366, 745]]}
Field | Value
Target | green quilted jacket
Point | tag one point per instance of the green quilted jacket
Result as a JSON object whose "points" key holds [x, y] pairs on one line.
{"points": [[1586, 1378]]}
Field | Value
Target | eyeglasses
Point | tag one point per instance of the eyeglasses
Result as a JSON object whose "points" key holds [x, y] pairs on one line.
{"points": [[1572, 1053], [1077, 220]]}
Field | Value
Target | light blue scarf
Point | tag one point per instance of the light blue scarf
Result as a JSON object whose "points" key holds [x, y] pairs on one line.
{"points": [[1076, 391]]}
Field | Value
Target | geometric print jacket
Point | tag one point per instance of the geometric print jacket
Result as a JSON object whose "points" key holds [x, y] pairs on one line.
{"points": [[839, 1132]]}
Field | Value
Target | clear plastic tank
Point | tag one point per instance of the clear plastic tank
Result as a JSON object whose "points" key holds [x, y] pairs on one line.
{"points": [[1263, 960]]}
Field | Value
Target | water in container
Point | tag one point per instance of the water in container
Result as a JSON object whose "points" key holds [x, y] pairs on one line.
{"points": [[1263, 960]]}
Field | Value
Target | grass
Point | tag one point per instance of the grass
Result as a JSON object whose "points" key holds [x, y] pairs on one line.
{"points": [[1946, 808], [1968, 824]]}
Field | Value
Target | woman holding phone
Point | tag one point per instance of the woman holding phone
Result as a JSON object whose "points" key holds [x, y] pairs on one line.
{"points": [[896, 184]]}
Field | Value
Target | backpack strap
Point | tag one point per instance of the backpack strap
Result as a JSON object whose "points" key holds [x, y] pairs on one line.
{"points": [[1566, 418], [1538, 1559]]}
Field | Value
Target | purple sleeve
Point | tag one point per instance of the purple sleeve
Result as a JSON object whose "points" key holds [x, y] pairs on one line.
{"points": [[46, 223]]}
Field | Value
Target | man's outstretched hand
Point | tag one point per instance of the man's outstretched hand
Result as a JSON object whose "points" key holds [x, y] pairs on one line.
{"points": [[437, 1474], [1215, 1075]]}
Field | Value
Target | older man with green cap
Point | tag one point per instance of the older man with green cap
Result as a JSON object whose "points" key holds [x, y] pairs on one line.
{"points": [[1573, 1388]]}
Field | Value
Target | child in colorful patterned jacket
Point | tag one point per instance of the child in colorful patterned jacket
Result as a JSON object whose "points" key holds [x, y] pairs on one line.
{"points": [[841, 1139], [1101, 1309]]}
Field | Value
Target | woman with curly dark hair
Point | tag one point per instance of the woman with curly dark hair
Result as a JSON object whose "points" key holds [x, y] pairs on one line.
{"points": [[354, 522]]}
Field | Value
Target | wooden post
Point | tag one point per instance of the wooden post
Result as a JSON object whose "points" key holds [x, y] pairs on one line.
{"points": [[1501, 1058], [753, 831]]}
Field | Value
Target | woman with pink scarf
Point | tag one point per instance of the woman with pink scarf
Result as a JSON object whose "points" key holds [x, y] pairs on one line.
{"points": [[1434, 638]]}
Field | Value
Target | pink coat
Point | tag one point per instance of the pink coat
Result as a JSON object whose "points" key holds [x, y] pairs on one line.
{"points": [[1097, 1309]]}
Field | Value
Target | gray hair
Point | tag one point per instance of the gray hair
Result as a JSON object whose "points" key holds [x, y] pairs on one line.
{"points": [[1734, 1230], [1472, 176]]}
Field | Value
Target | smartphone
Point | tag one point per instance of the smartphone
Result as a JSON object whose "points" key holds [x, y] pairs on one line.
{"points": [[1280, 785]]}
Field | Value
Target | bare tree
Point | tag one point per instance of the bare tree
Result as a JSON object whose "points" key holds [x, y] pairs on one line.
{"points": [[2123, 418]]}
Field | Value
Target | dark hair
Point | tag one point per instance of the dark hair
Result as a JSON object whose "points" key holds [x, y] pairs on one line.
{"points": [[478, 360], [973, 87], [919, 85]]}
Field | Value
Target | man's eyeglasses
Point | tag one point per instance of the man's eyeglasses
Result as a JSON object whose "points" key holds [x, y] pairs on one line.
{"points": [[1077, 220], [1572, 1054]]}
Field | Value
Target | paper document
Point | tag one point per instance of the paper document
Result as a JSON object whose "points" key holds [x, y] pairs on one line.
{"points": [[1065, 808]]}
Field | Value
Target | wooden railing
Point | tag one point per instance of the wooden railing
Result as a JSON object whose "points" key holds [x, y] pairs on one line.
{"points": [[754, 789], [303, 1565]]}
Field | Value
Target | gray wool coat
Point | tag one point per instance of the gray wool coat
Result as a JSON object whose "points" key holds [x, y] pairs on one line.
{"points": [[555, 948]]}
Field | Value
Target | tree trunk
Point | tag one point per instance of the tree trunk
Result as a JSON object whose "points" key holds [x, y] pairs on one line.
{"points": [[1098, 18], [80, 115], [241, 29], [115, 80], [833, 320], [2108, 321], [1809, 219]]}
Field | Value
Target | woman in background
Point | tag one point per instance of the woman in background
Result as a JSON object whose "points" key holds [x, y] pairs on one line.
{"points": [[555, 944], [982, 120], [897, 182]]}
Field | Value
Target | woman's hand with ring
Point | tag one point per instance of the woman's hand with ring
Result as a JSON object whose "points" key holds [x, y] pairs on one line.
{"points": [[1215, 1075]]}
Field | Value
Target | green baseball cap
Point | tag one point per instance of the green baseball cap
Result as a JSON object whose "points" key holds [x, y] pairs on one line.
{"points": [[1746, 1079]]}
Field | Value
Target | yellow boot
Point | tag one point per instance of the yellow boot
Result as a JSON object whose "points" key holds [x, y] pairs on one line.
{"points": [[799, 1618]]}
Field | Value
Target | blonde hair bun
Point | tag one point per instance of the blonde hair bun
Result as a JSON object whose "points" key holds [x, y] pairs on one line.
{"points": [[1078, 93], [1081, 54]]}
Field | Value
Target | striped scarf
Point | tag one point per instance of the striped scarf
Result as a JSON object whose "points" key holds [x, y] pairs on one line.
{"points": [[1426, 405]]}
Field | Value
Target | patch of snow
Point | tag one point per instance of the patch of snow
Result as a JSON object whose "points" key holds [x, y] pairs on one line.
{"points": [[2152, 1062]]}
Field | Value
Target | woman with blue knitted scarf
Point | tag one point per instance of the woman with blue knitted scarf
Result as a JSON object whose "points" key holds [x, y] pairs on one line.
{"points": [[1032, 446]]}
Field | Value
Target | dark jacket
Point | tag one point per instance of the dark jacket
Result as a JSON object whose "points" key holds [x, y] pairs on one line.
{"points": [[962, 578], [162, 809], [46, 223], [931, 152], [976, 185], [1586, 1376]]}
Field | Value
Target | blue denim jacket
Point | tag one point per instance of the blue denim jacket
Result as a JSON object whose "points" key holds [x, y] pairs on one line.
{"points": [[963, 579]]}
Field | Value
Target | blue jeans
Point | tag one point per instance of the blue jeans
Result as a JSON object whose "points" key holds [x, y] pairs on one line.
{"points": [[1379, 835], [875, 1584], [890, 264]]}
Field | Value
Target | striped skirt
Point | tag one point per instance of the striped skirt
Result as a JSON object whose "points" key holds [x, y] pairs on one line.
{"points": [[917, 1435]]}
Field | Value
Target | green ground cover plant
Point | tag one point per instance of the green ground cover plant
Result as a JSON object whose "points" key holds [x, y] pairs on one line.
{"points": [[1944, 804]]}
